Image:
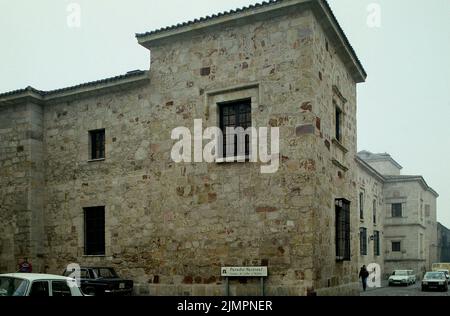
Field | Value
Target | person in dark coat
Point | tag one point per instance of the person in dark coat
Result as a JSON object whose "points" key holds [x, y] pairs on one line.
{"points": [[364, 275]]}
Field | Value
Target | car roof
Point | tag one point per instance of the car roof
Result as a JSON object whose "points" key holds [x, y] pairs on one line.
{"points": [[36, 276]]}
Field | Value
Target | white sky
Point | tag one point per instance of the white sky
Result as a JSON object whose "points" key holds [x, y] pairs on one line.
{"points": [[404, 108]]}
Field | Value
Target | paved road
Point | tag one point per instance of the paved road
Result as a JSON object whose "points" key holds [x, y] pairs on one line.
{"points": [[412, 290]]}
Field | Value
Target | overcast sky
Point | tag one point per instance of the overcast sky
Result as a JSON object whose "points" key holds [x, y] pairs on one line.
{"points": [[404, 108]]}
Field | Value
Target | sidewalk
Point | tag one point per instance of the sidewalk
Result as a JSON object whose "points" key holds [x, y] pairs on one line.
{"points": [[384, 284]]}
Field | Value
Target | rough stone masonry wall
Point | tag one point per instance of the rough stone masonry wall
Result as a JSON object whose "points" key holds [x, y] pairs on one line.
{"points": [[334, 179], [171, 226], [21, 185]]}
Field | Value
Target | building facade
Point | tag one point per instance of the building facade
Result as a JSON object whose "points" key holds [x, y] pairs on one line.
{"points": [[87, 175], [443, 243], [409, 215]]}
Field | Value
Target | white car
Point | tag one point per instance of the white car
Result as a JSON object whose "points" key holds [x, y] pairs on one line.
{"points": [[39, 285], [402, 277]]}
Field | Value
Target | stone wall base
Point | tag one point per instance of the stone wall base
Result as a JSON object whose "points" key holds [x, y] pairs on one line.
{"points": [[239, 290], [350, 289]]}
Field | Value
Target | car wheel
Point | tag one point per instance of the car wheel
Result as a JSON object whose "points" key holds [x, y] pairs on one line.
{"points": [[91, 291]]}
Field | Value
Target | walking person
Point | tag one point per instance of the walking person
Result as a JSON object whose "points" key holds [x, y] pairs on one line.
{"points": [[364, 275]]}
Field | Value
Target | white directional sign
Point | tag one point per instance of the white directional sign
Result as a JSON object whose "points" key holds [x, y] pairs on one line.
{"points": [[244, 272]]}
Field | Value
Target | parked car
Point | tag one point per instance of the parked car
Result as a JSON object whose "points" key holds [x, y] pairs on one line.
{"points": [[435, 280], [39, 285], [402, 277], [101, 281]]}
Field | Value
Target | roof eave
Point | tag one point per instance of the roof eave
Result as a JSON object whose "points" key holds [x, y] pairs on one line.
{"points": [[319, 7], [76, 92]]}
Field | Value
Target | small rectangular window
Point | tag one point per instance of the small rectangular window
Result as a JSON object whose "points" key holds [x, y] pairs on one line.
{"points": [[396, 246], [94, 231], [363, 241], [342, 225], [237, 114], [97, 141], [361, 205], [397, 210], [376, 243], [338, 123], [374, 210]]}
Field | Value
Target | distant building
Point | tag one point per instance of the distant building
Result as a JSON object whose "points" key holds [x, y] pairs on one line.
{"points": [[408, 214], [443, 243]]}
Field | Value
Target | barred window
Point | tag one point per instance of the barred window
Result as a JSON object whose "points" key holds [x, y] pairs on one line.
{"points": [[397, 210], [236, 114], [376, 243], [97, 141], [342, 209], [363, 241], [94, 231]]}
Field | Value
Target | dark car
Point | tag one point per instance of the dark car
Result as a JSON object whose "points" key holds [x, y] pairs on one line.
{"points": [[100, 281], [435, 280]]}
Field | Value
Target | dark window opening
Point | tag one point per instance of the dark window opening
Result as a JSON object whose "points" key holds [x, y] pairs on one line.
{"points": [[342, 209], [374, 209], [39, 289], [97, 139], [94, 225], [338, 123], [361, 205], [397, 210], [363, 241], [234, 115], [376, 243], [396, 246]]}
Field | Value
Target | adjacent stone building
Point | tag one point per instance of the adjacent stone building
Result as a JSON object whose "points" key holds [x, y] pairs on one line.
{"points": [[87, 176], [443, 243], [409, 216]]}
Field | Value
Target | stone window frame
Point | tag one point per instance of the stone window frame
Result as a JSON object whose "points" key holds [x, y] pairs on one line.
{"points": [[363, 241], [393, 212], [374, 211], [342, 230], [85, 250], [361, 202], [339, 102], [376, 243], [91, 134], [399, 242], [248, 142], [215, 97]]}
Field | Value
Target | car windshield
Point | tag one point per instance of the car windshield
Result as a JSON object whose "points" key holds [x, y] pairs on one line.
{"points": [[400, 272], [12, 286], [435, 276], [106, 273]]}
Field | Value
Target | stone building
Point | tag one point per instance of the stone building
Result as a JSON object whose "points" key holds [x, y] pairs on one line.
{"points": [[443, 243], [408, 213], [370, 215], [87, 176]]}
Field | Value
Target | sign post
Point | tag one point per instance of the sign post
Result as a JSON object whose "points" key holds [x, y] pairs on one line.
{"points": [[248, 272]]}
